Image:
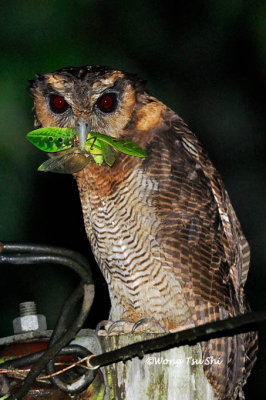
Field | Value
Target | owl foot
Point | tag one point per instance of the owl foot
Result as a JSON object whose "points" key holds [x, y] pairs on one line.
{"points": [[123, 327], [113, 327]]}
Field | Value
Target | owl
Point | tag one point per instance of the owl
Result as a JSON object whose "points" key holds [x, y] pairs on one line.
{"points": [[162, 229]]}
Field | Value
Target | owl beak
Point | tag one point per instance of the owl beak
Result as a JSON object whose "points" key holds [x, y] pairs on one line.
{"points": [[83, 127]]}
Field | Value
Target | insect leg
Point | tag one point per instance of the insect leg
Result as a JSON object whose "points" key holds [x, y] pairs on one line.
{"points": [[93, 142]]}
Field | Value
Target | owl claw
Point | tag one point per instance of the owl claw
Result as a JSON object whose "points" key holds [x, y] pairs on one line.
{"points": [[114, 325], [108, 328], [101, 324], [147, 325], [138, 323]]}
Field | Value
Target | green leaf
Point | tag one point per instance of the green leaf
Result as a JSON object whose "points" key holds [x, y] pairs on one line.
{"points": [[52, 139]]}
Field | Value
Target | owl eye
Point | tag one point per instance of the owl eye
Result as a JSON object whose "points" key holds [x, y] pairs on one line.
{"points": [[58, 104], [107, 103]]}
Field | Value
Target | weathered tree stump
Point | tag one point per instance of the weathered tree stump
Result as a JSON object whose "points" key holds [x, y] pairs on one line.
{"points": [[173, 374]]}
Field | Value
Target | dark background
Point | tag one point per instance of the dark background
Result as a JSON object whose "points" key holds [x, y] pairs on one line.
{"points": [[206, 61]]}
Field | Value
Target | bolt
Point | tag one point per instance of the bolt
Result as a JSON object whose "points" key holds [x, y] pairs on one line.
{"points": [[29, 320], [27, 308]]}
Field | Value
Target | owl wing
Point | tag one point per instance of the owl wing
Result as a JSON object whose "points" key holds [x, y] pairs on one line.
{"points": [[236, 248], [210, 226]]}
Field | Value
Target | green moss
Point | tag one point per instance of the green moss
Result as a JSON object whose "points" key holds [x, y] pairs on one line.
{"points": [[158, 389], [110, 382]]}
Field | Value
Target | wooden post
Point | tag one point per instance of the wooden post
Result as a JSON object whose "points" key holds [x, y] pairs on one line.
{"points": [[169, 375]]}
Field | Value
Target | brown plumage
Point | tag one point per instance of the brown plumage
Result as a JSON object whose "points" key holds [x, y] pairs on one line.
{"points": [[162, 229]]}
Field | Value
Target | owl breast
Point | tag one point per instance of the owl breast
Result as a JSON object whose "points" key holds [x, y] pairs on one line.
{"points": [[123, 231]]}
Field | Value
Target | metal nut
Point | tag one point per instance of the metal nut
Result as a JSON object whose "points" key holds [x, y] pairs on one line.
{"points": [[29, 323]]}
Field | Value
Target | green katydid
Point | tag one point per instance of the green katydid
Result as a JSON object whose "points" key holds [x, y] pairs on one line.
{"points": [[100, 147], [124, 146]]}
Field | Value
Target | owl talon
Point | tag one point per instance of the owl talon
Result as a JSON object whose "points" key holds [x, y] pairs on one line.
{"points": [[147, 325], [101, 324], [114, 325], [138, 323], [107, 327]]}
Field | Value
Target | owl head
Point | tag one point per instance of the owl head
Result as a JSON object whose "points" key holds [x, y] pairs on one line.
{"points": [[89, 98]]}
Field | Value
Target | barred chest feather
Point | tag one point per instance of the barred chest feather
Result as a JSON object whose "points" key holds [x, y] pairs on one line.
{"points": [[122, 228]]}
